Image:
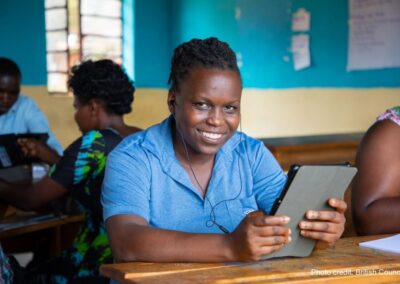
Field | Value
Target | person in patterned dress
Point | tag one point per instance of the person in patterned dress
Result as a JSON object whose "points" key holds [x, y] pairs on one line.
{"points": [[376, 187], [103, 93], [6, 272]]}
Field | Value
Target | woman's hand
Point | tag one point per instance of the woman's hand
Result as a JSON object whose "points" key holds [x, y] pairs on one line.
{"points": [[258, 235], [30, 147], [35, 149], [326, 226]]}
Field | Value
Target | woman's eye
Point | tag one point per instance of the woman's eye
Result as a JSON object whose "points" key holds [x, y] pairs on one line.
{"points": [[202, 106], [230, 109]]}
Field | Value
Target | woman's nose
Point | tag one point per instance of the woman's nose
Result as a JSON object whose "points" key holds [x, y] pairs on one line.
{"points": [[215, 117]]}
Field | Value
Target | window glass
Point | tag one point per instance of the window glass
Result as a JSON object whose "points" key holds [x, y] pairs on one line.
{"points": [[57, 62], [108, 8], [56, 19], [78, 30], [55, 3]]}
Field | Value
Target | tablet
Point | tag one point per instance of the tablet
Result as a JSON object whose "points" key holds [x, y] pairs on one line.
{"points": [[10, 152], [308, 188]]}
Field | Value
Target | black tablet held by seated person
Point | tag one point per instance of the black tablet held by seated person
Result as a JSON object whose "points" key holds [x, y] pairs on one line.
{"points": [[308, 188]]}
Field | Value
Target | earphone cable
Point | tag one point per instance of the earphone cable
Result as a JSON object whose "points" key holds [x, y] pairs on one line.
{"points": [[212, 221]]}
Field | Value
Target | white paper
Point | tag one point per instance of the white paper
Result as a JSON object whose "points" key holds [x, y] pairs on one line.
{"points": [[390, 244], [374, 34], [301, 51], [301, 21]]}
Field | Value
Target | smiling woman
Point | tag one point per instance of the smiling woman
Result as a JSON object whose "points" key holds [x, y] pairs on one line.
{"points": [[170, 191]]}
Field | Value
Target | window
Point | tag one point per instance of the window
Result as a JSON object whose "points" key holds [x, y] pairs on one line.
{"points": [[78, 30]]}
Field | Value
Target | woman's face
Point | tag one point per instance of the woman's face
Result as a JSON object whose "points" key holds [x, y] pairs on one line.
{"points": [[83, 116], [207, 109]]}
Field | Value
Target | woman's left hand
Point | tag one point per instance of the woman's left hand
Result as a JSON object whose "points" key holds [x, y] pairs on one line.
{"points": [[326, 226]]}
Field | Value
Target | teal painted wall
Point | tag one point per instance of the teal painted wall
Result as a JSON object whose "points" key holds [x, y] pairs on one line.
{"points": [[22, 33], [260, 36], [153, 46]]}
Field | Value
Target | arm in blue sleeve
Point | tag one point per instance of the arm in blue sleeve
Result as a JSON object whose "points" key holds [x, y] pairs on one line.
{"points": [[269, 178], [38, 123], [127, 183]]}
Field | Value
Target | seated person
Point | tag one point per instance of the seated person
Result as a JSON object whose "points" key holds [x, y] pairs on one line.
{"points": [[376, 187], [20, 114], [193, 188], [103, 93]]}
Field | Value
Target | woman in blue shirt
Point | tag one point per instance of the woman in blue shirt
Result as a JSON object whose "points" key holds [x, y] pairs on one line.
{"points": [[193, 188]]}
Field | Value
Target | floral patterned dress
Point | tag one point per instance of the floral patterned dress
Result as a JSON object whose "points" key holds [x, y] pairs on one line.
{"points": [[393, 114], [6, 273]]}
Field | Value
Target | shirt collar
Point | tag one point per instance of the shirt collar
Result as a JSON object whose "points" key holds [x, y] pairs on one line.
{"points": [[15, 106], [158, 140]]}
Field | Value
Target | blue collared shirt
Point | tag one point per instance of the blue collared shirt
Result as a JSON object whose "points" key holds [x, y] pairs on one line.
{"points": [[143, 177], [26, 117]]}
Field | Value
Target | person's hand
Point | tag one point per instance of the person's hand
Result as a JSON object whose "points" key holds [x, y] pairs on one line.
{"points": [[33, 148], [30, 147], [326, 226], [258, 235]]}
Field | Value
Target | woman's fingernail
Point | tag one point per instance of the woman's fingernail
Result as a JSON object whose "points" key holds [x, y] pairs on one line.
{"points": [[311, 214]]}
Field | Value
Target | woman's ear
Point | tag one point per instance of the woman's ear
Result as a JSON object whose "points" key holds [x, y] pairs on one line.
{"points": [[171, 101], [95, 106]]}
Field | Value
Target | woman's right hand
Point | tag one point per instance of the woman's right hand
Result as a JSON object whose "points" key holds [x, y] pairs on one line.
{"points": [[257, 235], [30, 147]]}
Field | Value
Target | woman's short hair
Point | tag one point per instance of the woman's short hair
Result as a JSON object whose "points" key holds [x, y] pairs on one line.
{"points": [[104, 80], [206, 53]]}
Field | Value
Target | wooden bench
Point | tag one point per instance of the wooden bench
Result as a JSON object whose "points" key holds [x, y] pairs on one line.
{"points": [[319, 149]]}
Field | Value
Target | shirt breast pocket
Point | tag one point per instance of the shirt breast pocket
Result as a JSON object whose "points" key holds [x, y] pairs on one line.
{"points": [[239, 208]]}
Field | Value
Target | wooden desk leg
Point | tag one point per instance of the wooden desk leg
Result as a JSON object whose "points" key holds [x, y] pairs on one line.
{"points": [[56, 241]]}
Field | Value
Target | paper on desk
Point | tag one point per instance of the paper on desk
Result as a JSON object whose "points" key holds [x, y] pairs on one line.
{"points": [[390, 244]]}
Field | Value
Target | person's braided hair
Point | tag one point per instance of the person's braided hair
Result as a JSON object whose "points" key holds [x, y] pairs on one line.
{"points": [[9, 68], [104, 80], [207, 53]]}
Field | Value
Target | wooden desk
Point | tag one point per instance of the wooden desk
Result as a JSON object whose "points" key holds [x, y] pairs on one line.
{"points": [[319, 149], [23, 229], [344, 263]]}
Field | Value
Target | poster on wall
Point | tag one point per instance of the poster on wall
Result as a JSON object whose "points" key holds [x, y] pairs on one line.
{"points": [[301, 51], [374, 34]]}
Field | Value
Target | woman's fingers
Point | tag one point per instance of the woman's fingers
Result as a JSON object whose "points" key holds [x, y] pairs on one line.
{"points": [[320, 236], [331, 216], [339, 204]]}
